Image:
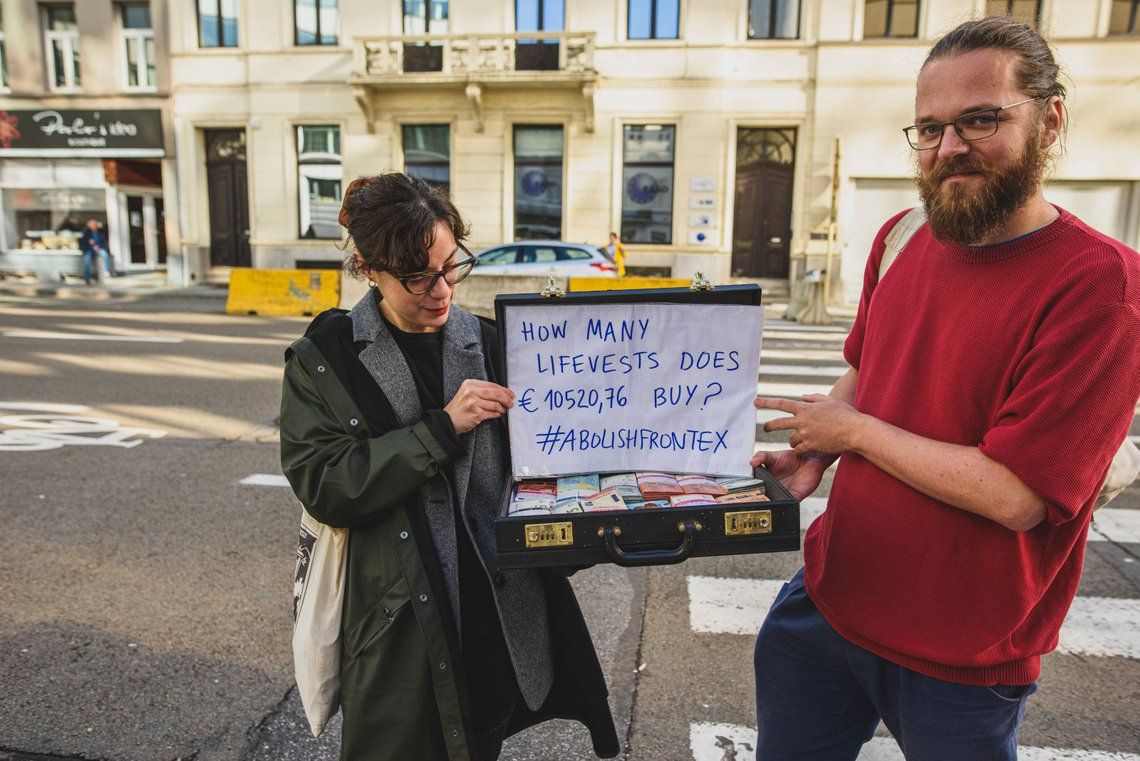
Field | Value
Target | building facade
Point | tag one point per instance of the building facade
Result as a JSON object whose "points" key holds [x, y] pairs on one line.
{"points": [[727, 136], [85, 133]]}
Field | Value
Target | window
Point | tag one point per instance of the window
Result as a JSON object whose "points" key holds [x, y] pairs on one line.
{"points": [[427, 154], [315, 22], [3, 57], [647, 184], [424, 17], [538, 182], [538, 16], [1125, 18], [61, 43], [773, 19], [507, 255], [138, 46], [1025, 11], [653, 19], [890, 18], [217, 23], [318, 180]]}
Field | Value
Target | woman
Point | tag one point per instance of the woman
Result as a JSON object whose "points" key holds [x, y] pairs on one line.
{"points": [[391, 425]]}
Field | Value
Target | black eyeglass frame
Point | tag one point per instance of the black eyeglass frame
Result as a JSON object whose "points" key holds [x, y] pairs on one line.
{"points": [[435, 276], [913, 129]]}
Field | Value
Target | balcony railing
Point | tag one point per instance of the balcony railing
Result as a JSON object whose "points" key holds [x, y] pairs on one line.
{"points": [[523, 55]]}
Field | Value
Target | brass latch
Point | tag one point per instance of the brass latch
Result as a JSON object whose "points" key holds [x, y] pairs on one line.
{"points": [[548, 534], [700, 283], [748, 522], [552, 289]]}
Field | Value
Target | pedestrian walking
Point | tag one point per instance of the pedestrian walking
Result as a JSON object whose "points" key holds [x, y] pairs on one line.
{"points": [[617, 253], [994, 372], [93, 243], [443, 654]]}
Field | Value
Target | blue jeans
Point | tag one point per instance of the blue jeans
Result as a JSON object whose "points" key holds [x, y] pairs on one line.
{"points": [[820, 697], [91, 259]]}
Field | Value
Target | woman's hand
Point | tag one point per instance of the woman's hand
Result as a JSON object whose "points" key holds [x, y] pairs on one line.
{"points": [[477, 401]]}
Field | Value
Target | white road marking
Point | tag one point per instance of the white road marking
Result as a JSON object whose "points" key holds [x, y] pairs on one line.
{"points": [[264, 479], [803, 370], [722, 742], [772, 325], [88, 337], [730, 606], [1104, 626], [791, 390], [1109, 524], [43, 407], [733, 742], [805, 335], [1098, 626], [815, 355], [53, 430], [1116, 525]]}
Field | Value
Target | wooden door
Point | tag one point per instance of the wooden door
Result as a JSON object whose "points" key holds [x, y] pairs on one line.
{"points": [[229, 198], [762, 216]]}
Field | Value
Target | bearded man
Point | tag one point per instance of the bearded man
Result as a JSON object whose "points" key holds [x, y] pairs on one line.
{"points": [[1005, 332]]}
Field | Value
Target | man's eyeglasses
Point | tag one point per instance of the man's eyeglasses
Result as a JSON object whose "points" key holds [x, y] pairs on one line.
{"points": [[976, 125], [419, 283]]}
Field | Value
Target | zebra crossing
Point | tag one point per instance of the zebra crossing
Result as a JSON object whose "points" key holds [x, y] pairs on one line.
{"points": [[1101, 635]]}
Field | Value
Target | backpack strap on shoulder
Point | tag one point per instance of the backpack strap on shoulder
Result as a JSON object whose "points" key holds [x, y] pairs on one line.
{"points": [[899, 236]]}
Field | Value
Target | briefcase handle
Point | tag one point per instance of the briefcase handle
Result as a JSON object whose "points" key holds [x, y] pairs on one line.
{"points": [[688, 528]]}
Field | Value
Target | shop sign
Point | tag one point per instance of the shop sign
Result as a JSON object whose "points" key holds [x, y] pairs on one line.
{"points": [[81, 132]]}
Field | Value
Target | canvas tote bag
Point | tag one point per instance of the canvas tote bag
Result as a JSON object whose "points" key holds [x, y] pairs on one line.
{"points": [[318, 599], [1125, 464]]}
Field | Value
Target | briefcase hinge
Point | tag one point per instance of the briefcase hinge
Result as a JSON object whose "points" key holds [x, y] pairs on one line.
{"points": [[553, 290], [700, 283]]}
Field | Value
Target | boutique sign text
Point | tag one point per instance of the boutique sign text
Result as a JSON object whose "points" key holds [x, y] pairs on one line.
{"points": [[81, 132]]}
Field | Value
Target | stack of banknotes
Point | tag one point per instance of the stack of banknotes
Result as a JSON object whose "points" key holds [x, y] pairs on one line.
{"points": [[629, 491]]}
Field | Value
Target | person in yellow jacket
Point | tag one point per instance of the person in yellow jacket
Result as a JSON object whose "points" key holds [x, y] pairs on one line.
{"points": [[617, 253]]}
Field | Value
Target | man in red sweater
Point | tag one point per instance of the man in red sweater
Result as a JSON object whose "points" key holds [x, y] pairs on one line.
{"points": [[994, 372]]}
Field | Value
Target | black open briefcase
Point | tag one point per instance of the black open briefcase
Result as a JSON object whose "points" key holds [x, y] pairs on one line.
{"points": [[645, 536]]}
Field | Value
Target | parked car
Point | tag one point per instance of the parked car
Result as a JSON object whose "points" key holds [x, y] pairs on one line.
{"points": [[546, 257]]}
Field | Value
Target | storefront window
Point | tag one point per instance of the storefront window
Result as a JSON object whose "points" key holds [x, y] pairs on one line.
{"points": [[538, 183], [647, 184], [318, 180], [50, 218]]}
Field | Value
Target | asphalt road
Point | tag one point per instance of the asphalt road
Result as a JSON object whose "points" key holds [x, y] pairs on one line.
{"points": [[146, 591]]}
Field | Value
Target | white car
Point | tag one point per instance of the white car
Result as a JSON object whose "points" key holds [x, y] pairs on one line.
{"points": [[546, 257]]}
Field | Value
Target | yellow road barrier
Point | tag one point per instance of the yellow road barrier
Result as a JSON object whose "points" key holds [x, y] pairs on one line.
{"points": [[277, 293], [625, 283]]}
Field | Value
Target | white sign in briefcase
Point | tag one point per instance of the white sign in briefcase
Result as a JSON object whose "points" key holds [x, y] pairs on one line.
{"points": [[632, 387]]}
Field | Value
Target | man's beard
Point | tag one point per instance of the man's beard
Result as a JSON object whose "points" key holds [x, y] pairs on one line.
{"points": [[963, 215]]}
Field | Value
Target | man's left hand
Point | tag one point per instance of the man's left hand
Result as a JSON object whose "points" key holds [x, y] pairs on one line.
{"points": [[819, 423]]}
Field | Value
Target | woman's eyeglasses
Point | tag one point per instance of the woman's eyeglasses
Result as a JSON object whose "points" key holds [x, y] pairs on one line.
{"points": [[419, 283]]}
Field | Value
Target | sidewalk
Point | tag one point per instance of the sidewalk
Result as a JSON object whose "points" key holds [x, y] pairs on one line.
{"points": [[132, 286]]}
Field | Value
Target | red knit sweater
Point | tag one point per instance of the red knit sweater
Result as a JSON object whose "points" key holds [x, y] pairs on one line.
{"points": [[1029, 350]]}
